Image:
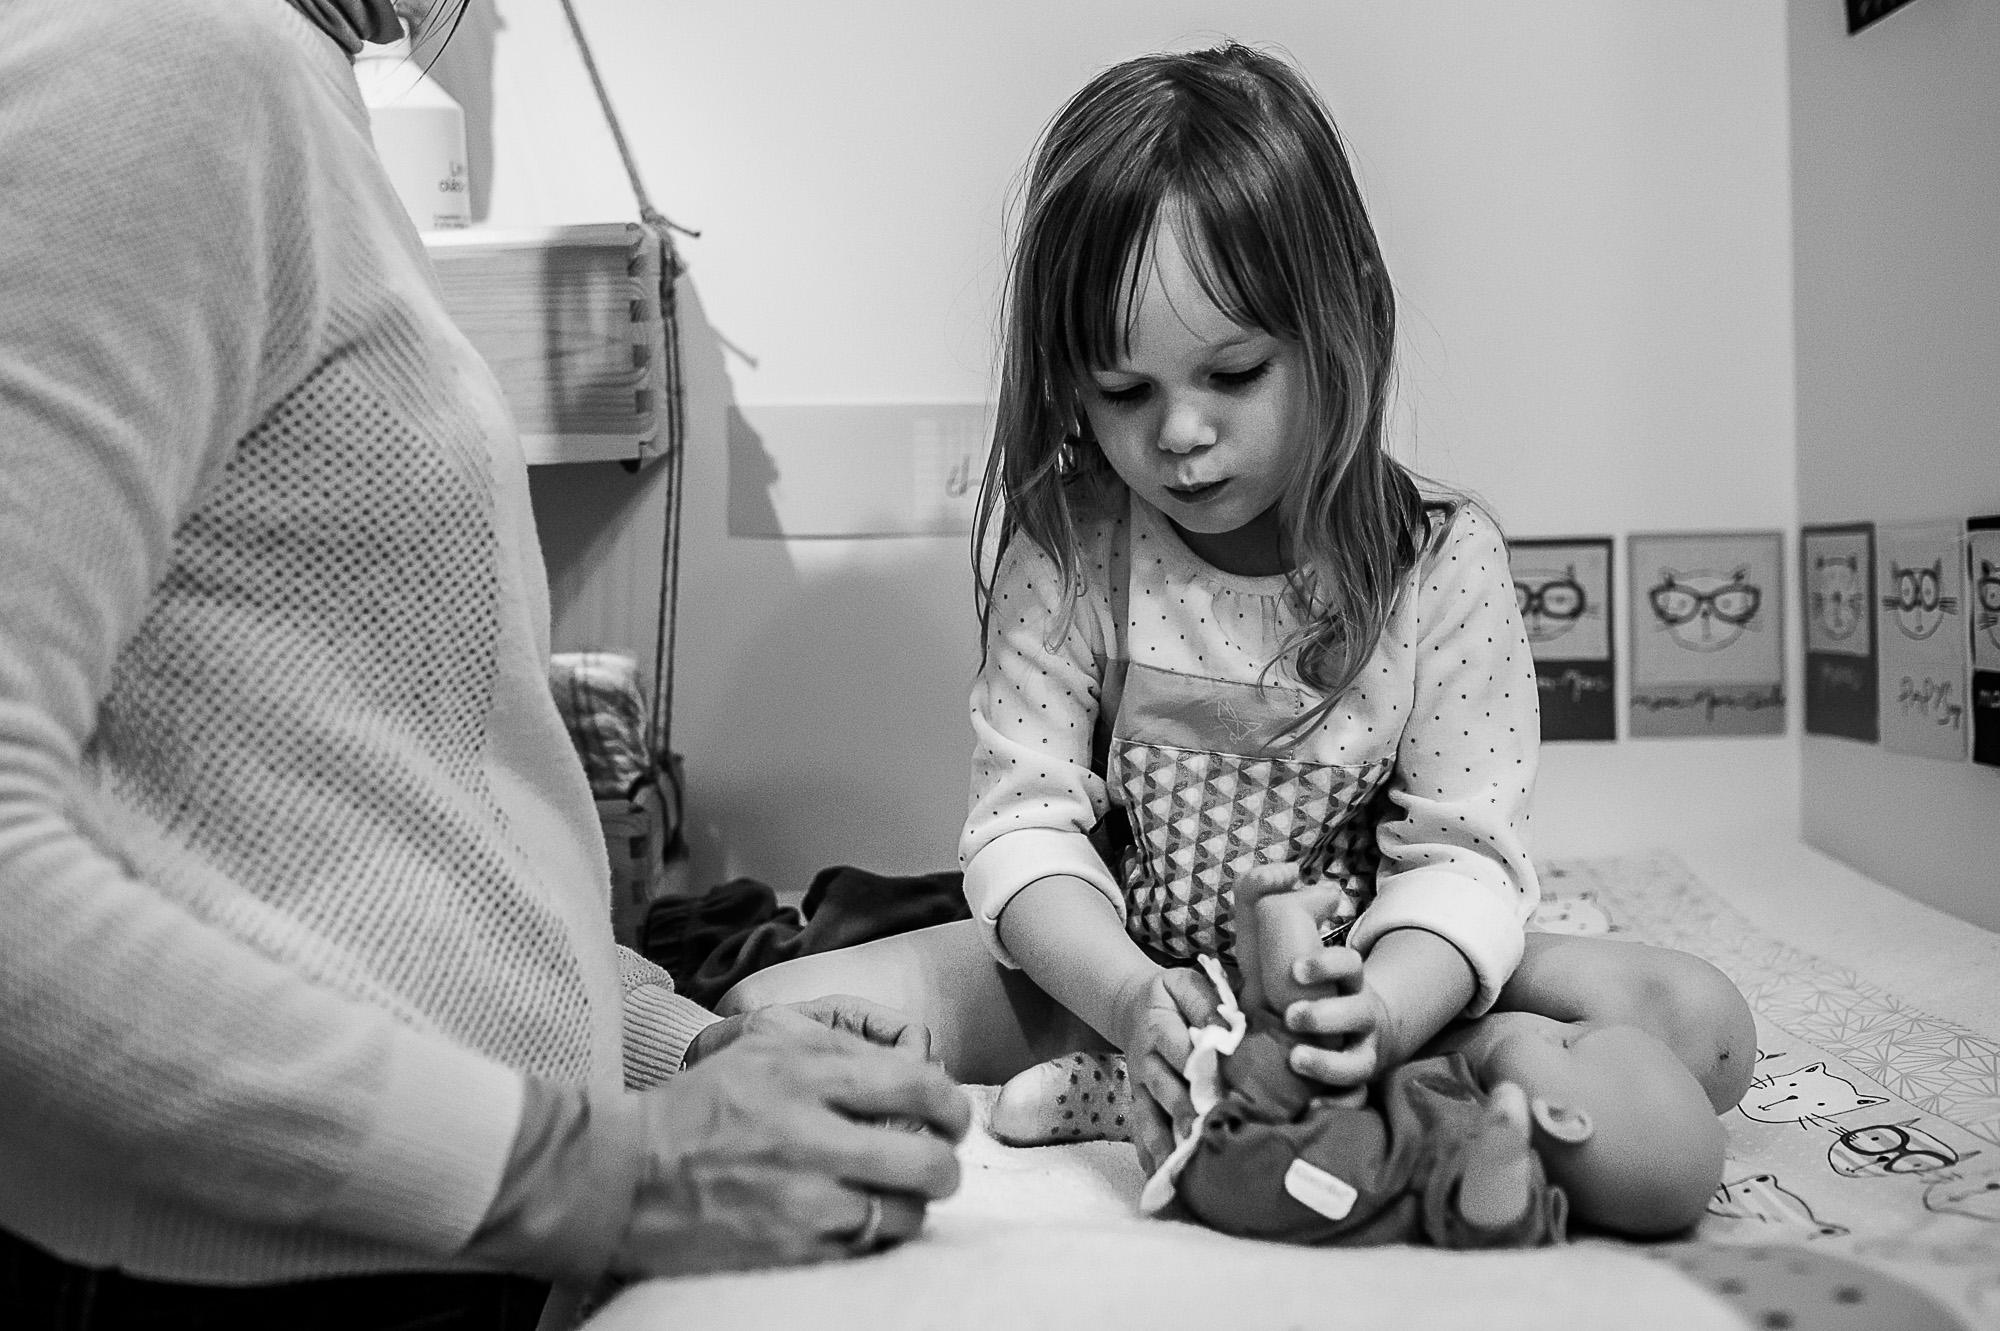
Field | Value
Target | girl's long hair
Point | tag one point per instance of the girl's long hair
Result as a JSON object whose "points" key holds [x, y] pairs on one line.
{"points": [[431, 25], [1234, 149]]}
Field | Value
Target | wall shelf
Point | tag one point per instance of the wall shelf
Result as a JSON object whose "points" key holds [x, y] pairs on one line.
{"points": [[569, 318]]}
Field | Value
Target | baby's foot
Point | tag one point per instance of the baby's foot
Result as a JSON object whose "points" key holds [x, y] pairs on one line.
{"points": [[1077, 1098], [1497, 1183]]}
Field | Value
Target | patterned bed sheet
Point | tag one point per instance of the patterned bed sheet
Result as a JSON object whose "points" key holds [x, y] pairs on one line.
{"points": [[1872, 1131]]}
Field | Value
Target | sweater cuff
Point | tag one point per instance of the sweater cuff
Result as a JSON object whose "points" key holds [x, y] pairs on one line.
{"points": [[1010, 862], [659, 1026], [423, 1184], [1463, 911]]}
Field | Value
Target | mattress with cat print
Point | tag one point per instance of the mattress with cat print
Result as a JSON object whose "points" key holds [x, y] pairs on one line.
{"points": [[1862, 1187]]}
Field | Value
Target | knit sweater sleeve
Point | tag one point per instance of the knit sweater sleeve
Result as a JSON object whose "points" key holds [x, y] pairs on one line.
{"points": [[1034, 704], [659, 1023], [161, 225], [1456, 863]]}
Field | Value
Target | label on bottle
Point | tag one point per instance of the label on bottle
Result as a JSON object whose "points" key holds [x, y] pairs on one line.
{"points": [[453, 209]]}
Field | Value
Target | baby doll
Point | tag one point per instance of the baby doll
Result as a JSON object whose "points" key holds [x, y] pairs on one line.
{"points": [[1502, 1127]]}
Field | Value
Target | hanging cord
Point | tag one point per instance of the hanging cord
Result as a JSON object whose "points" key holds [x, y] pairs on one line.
{"points": [[647, 212], [660, 725]]}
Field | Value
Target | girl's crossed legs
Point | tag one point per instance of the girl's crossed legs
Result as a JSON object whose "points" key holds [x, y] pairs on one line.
{"points": [[989, 1023]]}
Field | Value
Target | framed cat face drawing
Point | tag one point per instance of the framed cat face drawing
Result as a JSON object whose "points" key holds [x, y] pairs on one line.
{"points": [[1837, 566], [1982, 559], [1707, 646], [1982, 573], [1921, 624], [1562, 587]]}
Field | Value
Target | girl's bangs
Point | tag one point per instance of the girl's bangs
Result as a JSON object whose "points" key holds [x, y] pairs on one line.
{"points": [[1109, 272], [1110, 249], [1226, 178], [1236, 260]]}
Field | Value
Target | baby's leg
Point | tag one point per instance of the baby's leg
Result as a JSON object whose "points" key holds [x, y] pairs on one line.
{"points": [[986, 1022], [1498, 1181], [1682, 1000]]}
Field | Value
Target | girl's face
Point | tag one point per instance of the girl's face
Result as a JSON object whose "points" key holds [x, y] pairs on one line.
{"points": [[1201, 416]]}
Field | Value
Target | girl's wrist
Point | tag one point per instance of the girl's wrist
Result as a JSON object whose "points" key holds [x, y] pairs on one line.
{"points": [[1132, 1000], [1394, 1041], [1069, 940], [1419, 982]]}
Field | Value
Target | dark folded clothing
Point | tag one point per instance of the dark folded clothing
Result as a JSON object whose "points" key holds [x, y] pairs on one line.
{"points": [[708, 943], [680, 933]]}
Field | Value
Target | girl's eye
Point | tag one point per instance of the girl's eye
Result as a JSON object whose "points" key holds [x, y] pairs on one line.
{"points": [[1240, 378], [1127, 395]]}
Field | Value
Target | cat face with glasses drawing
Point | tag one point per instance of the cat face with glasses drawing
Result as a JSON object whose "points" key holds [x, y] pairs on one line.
{"points": [[1919, 600], [1551, 603], [1702, 611]]}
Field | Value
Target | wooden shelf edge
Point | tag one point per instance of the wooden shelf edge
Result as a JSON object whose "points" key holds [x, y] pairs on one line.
{"points": [[578, 233], [550, 450]]}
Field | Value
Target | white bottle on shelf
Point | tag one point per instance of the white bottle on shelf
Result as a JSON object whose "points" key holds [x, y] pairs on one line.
{"points": [[419, 134]]}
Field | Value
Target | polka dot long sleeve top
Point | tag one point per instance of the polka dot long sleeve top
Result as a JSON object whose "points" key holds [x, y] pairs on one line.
{"points": [[1426, 761]]}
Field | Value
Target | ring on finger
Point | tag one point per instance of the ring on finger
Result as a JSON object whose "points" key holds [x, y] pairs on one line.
{"points": [[869, 1237]]}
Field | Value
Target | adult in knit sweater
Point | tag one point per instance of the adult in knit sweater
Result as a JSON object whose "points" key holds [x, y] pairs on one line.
{"points": [[309, 1008]]}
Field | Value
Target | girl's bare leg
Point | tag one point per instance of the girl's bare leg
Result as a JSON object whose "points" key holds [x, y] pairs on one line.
{"points": [[1684, 1001], [986, 1022]]}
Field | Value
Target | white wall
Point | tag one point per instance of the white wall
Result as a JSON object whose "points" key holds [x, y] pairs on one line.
{"points": [[1896, 180], [1584, 206]]}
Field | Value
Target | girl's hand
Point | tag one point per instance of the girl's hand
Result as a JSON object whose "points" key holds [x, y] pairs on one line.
{"points": [[1323, 992], [1415, 983], [1155, 1018], [1346, 1029]]}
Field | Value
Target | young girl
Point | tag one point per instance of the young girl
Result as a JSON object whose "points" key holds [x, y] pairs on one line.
{"points": [[1223, 628]]}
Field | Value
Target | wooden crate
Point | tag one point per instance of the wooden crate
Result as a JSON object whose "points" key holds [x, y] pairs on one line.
{"points": [[569, 319]]}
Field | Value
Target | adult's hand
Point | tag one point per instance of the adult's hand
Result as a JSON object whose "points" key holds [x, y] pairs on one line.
{"points": [[767, 1153], [870, 1021]]}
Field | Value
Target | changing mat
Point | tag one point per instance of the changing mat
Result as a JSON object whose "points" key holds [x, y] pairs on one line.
{"points": [[1872, 1130], [1862, 1190]]}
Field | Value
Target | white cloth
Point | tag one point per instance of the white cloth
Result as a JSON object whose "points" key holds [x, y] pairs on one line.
{"points": [[1212, 1043]]}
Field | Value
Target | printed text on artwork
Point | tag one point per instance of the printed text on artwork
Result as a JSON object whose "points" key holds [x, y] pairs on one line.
{"points": [[1711, 701], [1930, 698], [1840, 674], [1575, 683]]}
